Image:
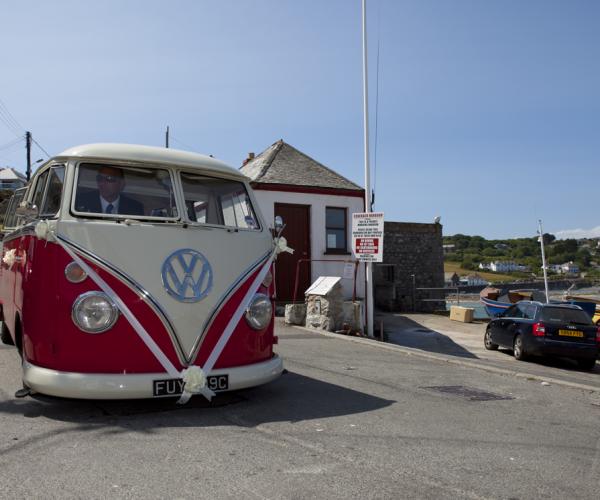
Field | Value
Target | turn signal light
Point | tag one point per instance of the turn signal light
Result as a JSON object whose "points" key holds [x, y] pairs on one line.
{"points": [[539, 330]]}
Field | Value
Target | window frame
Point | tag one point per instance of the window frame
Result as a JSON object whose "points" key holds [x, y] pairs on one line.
{"points": [[337, 251], [50, 215]]}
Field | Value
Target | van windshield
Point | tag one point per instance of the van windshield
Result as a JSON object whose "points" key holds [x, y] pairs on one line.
{"points": [[112, 191], [210, 200]]}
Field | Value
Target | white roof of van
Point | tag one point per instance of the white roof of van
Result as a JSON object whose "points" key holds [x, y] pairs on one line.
{"points": [[136, 153]]}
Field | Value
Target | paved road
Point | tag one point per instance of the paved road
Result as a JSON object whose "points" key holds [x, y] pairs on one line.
{"points": [[348, 421], [435, 334]]}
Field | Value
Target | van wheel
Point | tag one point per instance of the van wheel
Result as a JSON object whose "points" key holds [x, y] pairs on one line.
{"points": [[518, 350], [586, 364], [487, 341], [5, 335]]}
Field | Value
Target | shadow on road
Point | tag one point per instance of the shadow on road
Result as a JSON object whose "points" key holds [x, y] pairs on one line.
{"points": [[408, 333], [553, 362], [292, 398]]}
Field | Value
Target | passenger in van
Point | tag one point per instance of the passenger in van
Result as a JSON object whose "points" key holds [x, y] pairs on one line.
{"points": [[108, 199]]}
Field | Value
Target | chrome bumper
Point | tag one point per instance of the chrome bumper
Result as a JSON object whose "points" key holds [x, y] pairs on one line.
{"points": [[134, 386]]}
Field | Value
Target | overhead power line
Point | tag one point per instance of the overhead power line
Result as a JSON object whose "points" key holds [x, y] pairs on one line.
{"points": [[38, 145], [9, 120], [191, 148], [12, 143]]}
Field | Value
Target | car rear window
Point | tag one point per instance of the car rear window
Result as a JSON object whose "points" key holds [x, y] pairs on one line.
{"points": [[565, 315]]}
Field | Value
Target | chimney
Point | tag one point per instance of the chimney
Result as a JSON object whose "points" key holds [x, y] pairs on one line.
{"points": [[250, 158]]}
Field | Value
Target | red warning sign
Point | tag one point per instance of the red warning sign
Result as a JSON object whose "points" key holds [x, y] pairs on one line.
{"points": [[367, 245]]}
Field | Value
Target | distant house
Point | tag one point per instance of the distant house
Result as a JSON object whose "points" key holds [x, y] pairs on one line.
{"points": [[11, 179], [503, 267], [569, 268], [316, 205], [555, 268], [475, 280]]}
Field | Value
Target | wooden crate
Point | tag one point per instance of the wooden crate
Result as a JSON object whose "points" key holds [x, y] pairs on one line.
{"points": [[462, 314]]}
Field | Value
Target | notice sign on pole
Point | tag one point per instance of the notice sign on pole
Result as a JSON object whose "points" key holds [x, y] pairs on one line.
{"points": [[367, 236]]}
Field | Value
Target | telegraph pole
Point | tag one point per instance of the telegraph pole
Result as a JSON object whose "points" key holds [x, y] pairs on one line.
{"points": [[369, 269], [167, 138], [28, 148]]}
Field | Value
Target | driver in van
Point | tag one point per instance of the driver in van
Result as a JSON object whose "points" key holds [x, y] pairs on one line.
{"points": [[108, 199]]}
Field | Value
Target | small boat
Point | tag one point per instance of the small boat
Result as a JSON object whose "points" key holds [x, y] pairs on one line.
{"points": [[591, 305], [497, 301]]}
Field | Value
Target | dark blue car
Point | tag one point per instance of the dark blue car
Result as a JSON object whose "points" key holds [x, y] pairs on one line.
{"points": [[534, 328]]}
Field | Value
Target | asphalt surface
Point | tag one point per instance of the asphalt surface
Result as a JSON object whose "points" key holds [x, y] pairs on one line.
{"points": [[349, 420], [463, 342]]}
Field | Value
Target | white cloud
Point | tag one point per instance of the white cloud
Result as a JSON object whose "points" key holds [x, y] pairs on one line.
{"points": [[578, 233]]}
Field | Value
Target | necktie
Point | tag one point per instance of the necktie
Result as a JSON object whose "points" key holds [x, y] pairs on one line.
{"points": [[109, 208]]}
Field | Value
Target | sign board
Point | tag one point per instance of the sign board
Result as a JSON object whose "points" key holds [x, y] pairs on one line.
{"points": [[323, 285], [349, 270], [367, 236]]}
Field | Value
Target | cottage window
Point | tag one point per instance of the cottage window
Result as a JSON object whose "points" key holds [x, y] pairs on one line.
{"points": [[336, 230]]}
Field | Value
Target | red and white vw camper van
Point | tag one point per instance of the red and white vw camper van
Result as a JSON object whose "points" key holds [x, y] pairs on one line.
{"points": [[138, 272]]}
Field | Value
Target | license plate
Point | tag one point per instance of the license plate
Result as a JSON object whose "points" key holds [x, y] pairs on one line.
{"points": [[174, 386], [570, 333]]}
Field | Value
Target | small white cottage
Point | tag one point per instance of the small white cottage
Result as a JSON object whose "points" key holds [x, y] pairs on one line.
{"points": [[316, 205], [11, 179]]}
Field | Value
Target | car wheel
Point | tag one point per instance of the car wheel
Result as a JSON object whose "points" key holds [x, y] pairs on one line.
{"points": [[518, 350], [487, 341], [5, 335], [586, 364]]}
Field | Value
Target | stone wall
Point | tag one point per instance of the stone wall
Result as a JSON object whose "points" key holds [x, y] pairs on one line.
{"points": [[412, 258]]}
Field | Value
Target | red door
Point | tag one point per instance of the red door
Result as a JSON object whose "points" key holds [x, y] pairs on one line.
{"points": [[297, 233]]}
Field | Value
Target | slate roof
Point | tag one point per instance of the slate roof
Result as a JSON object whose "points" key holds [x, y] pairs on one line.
{"points": [[10, 174], [284, 164]]}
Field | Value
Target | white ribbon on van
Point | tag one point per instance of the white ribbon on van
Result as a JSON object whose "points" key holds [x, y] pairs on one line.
{"points": [[193, 376]]}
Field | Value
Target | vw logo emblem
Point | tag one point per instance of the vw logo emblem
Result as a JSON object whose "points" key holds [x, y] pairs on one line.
{"points": [[187, 275]]}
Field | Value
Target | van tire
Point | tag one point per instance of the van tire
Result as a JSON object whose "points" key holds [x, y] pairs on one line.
{"points": [[5, 335]]}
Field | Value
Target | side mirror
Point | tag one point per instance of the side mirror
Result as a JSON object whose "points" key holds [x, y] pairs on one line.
{"points": [[27, 210], [278, 223]]}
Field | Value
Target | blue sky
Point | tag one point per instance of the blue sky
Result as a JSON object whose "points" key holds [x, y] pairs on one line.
{"points": [[488, 111]]}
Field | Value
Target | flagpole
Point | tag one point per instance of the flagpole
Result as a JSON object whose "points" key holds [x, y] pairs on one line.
{"points": [[369, 265], [544, 267]]}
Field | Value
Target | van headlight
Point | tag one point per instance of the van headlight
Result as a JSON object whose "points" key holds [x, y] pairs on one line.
{"points": [[94, 312], [259, 312]]}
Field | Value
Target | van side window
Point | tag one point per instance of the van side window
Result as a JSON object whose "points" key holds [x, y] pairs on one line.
{"points": [[53, 193], [11, 219], [38, 194]]}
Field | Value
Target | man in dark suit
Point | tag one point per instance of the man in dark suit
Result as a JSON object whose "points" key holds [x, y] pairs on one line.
{"points": [[108, 199]]}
